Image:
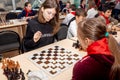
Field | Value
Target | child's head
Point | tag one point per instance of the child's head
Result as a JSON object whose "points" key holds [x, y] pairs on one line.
{"points": [[91, 4], [48, 10], [107, 10], [28, 6], [72, 7], [80, 14], [90, 30], [68, 4], [83, 2]]}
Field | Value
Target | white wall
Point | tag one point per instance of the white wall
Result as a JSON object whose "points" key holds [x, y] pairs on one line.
{"points": [[72, 1]]}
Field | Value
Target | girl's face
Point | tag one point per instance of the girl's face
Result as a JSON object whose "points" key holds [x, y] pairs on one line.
{"points": [[48, 13], [108, 13], [68, 5], [84, 2], [29, 7], [84, 42]]}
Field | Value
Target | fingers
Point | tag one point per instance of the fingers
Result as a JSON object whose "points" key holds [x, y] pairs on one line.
{"points": [[37, 36]]}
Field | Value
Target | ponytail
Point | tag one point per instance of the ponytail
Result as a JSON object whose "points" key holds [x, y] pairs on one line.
{"points": [[115, 50]]}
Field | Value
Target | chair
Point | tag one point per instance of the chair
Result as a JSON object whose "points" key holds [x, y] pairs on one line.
{"points": [[23, 48], [19, 8], [62, 33], [2, 10], [9, 40], [11, 15]]}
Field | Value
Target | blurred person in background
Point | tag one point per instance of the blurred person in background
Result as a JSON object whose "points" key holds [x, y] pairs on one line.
{"points": [[80, 15], [70, 15], [65, 10], [83, 5], [105, 16], [92, 9], [27, 13]]}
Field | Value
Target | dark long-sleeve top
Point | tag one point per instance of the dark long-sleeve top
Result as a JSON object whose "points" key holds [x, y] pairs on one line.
{"points": [[33, 26], [23, 14]]}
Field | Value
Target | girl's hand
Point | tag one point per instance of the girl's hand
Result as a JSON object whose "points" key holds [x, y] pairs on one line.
{"points": [[37, 36]]}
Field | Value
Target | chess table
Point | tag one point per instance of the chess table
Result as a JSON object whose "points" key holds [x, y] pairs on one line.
{"points": [[26, 64], [17, 25]]}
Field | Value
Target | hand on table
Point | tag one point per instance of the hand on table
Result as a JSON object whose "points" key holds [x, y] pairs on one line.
{"points": [[114, 27]]}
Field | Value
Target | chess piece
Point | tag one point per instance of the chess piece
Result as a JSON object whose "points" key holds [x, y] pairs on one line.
{"points": [[23, 77], [28, 72], [76, 44], [17, 75], [21, 71], [22, 74]]}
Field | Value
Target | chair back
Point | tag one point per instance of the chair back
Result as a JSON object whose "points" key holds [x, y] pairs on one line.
{"points": [[23, 48], [9, 40], [2, 10], [11, 15], [19, 8], [62, 33]]}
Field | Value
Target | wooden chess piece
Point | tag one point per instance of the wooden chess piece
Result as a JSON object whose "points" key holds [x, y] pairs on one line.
{"points": [[22, 74]]}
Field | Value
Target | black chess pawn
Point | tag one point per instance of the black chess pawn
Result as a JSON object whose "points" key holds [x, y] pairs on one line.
{"points": [[77, 44], [9, 75], [17, 75], [22, 74], [28, 72], [23, 77], [7, 72], [13, 75], [21, 71]]}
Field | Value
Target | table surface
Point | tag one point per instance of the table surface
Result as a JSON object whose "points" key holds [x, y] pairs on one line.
{"points": [[14, 23], [26, 64]]}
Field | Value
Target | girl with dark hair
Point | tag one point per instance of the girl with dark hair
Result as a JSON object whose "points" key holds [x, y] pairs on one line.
{"points": [[65, 10], [105, 15], [102, 61], [28, 13], [82, 4], [41, 30]]}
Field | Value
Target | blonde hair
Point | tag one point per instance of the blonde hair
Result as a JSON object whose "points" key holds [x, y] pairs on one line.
{"points": [[95, 29]]}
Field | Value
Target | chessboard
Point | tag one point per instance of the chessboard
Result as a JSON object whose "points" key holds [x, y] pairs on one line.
{"points": [[54, 59]]}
